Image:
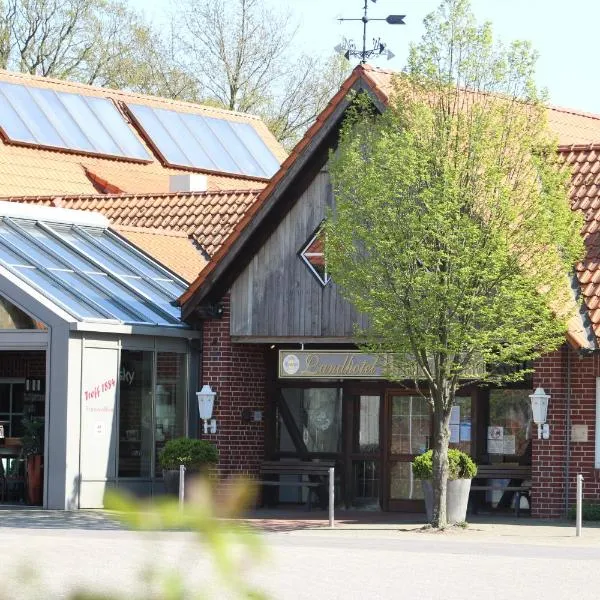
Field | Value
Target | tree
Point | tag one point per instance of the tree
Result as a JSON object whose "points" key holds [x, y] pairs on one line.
{"points": [[247, 63], [101, 42], [452, 229]]}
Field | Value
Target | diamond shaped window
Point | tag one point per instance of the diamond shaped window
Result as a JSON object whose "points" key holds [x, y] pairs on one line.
{"points": [[314, 257]]}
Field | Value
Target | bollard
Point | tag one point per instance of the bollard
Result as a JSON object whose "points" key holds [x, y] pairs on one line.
{"points": [[578, 511], [331, 495], [181, 485]]}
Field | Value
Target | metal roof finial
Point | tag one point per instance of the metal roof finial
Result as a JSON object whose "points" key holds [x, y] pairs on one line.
{"points": [[348, 47]]}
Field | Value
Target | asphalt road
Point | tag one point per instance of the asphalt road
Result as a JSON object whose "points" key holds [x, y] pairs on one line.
{"points": [[48, 563]]}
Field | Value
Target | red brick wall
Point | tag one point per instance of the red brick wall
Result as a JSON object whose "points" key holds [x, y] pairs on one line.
{"points": [[237, 373], [550, 456]]}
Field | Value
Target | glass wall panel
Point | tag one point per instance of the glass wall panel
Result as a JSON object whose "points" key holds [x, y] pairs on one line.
{"points": [[170, 399], [402, 484], [509, 428], [316, 419], [135, 413], [411, 425], [368, 424], [366, 482]]}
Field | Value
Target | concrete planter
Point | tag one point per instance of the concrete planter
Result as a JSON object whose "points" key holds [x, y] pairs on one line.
{"points": [[457, 498]]}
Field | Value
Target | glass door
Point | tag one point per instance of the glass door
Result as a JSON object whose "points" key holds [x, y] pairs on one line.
{"points": [[409, 435]]}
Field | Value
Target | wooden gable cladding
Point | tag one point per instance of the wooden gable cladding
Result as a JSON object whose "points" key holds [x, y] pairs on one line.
{"points": [[277, 295]]}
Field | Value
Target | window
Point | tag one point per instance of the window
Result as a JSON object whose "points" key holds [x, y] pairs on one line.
{"points": [[315, 420], [509, 427], [152, 407]]}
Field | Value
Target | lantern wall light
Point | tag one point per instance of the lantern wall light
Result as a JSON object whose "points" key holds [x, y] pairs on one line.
{"points": [[539, 408], [206, 400]]}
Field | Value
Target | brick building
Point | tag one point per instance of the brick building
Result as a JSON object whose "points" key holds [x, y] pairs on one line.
{"points": [[277, 348]]}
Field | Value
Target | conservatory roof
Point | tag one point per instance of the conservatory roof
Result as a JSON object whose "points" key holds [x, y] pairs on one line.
{"points": [[92, 273]]}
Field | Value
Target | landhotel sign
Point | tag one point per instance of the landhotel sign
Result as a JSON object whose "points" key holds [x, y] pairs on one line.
{"points": [[329, 364]]}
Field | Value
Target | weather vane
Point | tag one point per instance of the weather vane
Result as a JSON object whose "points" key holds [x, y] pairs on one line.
{"points": [[348, 47]]}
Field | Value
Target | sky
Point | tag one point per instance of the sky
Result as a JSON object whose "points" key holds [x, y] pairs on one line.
{"points": [[564, 34]]}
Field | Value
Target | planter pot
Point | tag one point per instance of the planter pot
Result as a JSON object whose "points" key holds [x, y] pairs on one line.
{"points": [[35, 479], [457, 498], [171, 480]]}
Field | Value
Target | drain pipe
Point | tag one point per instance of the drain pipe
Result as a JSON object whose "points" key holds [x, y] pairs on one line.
{"points": [[568, 433]]}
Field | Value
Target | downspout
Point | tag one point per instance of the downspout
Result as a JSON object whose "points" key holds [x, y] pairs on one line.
{"points": [[568, 433]]}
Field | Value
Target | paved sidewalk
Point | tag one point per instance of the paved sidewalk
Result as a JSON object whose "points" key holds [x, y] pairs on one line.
{"points": [[501, 528]]}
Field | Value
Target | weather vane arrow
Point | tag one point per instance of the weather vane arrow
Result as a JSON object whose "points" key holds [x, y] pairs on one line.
{"points": [[349, 49]]}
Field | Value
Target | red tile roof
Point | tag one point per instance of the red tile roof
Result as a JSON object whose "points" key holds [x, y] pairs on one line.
{"points": [[205, 217], [569, 126], [585, 196], [26, 170]]}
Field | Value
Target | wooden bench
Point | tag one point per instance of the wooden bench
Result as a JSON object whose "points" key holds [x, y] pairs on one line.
{"points": [[519, 474], [310, 474]]}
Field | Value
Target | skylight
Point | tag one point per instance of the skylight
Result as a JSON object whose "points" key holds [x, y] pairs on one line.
{"points": [[87, 270], [44, 117], [191, 140]]}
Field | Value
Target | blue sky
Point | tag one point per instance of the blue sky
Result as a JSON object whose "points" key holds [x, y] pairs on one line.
{"points": [[564, 34]]}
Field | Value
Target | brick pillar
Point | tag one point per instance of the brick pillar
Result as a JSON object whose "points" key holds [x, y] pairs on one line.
{"points": [[237, 373]]}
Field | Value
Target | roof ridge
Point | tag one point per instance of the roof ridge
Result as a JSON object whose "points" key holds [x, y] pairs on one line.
{"points": [[109, 90], [573, 111], [123, 195]]}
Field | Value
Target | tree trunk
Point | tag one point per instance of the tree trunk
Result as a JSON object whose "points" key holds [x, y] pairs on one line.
{"points": [[441, 437]]}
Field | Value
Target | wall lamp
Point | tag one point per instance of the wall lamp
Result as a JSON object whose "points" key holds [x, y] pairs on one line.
{"points": [[206, 400], [539, 408]]}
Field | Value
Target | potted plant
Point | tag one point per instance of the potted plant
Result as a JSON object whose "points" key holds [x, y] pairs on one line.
{"points": [[194, 455], [462, 469], [33, 449]]}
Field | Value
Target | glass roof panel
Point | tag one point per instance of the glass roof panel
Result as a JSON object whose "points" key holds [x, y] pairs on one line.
{"points": [[218, 151], [250, 138], [111, 281], [103, 299], [45, 117], [112, 120], [139, 264], [11, 122], [240, 154], [159, 135], [191, 140], [58, 115], [31, 114], [145, 309], [69, 300]]}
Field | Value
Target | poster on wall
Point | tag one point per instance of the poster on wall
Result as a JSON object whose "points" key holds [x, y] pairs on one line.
{"points": [[99, 382]]}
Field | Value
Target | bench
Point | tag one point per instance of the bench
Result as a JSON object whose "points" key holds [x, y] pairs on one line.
{"points": [[311, 475], [519, 484]]}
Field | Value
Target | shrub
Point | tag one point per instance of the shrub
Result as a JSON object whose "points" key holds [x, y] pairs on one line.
{"points": [[192, 454], [461, 465], [590, 511]]}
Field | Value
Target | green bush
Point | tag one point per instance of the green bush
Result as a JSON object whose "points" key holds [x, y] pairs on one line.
{"points": [[590, 511], [192, 454], [461, 465]]}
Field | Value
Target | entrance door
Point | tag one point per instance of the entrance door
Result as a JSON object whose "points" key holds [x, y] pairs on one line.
{"points": [[365, 455], [409, 435]]}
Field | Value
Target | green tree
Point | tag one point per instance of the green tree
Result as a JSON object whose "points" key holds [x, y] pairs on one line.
{"points": [[452, 229]]}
